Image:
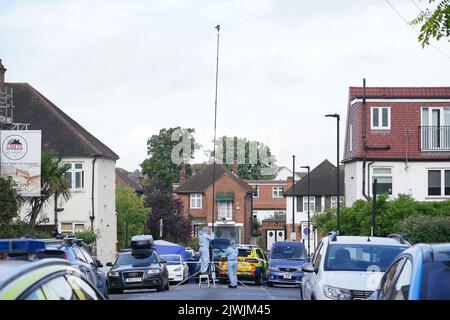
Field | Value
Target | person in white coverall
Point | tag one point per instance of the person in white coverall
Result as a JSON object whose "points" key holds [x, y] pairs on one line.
{"points": [[232, 253], [203, 240]]}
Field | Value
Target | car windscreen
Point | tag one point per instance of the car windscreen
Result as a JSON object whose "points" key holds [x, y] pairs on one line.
{"points": [[220, 244], [244, 253], [171, 258], [288, 251], [360, 257], [436, 281], [136, 259]]}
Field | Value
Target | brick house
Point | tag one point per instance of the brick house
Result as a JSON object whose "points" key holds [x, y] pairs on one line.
{"points": [[323, 196], [401, 137], [232, 202], [133, 180]]}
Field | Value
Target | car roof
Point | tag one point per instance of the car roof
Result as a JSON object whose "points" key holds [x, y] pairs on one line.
{"points": [[10, 269], [432, 252], [292, 243], [367, 240]]}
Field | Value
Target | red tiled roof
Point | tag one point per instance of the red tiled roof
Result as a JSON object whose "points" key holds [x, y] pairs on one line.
{"points": [[401, 92]]}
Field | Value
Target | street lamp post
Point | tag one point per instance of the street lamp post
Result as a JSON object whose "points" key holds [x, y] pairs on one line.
{"points": [[309, 196], [293, 195], [338, 227]]}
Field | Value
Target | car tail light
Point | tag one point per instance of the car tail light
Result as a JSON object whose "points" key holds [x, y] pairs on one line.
{"points": [[66, 257]]}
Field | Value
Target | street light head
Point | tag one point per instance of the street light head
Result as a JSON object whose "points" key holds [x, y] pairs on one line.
{"points": [[218, 27], [335, 115], [305, 167]]}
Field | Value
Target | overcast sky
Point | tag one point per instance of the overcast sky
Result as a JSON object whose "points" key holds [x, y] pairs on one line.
{"points": [[125, 69]]}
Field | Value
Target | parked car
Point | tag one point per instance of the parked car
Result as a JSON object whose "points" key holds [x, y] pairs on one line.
{"points": [[252, 265], [285, 263], [140, 268], [79, 258], [421, 272], [177, 267], [348, 267], [40, 279]]}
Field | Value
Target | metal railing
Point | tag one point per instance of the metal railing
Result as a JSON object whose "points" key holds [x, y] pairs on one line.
{"points": [[434, 138]]}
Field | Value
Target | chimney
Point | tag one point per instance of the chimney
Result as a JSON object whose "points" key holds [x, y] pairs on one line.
{"points": [[2, 75], [289, 182], [235, 167], [182, 176]]}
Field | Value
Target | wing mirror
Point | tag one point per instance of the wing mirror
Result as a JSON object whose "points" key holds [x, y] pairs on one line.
{"points": [[163, 261], [109, 264], [308, 267]]}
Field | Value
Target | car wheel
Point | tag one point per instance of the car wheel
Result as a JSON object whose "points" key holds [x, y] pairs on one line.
{"points": [[167, 285]]}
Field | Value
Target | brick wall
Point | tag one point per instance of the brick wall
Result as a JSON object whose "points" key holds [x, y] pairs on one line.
{"points": [[404, 115]]}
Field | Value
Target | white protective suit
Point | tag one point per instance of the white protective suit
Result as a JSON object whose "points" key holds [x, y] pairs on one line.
{"points": [[203, 240]]}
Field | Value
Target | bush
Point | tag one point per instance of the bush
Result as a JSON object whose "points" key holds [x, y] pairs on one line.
{"points": [[390, 217], [426, 229], [88, 236], [20, 229]]}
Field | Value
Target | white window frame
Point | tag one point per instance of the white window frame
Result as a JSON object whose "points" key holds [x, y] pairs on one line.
{"points": [[382, 175], [229, 214], [73, 173], [442, 123], [195, 201], [442, 195], [256, 194], [380, 118], [277, 192], [333, 202], [312, 204], [73, 229]]}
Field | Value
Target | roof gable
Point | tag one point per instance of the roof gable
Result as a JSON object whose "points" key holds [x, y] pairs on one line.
{"points": [[59, 131], [203, 179], [323, 181]]}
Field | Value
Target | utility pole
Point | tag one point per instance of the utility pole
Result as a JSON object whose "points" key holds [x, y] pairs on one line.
{"points": [[293, 197], [309, 220], [374, 207], [338, 185]]}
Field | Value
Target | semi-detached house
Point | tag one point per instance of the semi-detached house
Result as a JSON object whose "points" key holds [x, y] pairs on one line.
{"points": [[92, 167]]}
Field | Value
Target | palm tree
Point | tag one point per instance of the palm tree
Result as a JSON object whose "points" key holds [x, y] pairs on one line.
{"points": [[53, 182]]}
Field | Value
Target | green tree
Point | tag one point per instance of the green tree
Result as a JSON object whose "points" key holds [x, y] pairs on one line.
{"points": [[52, 181], [9, 206], [159, 166], [230, 148], [434, 22], [390, 218], [131, 215]]}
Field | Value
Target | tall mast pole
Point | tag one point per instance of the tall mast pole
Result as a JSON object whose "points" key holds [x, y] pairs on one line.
{"points": [[215, 130]]}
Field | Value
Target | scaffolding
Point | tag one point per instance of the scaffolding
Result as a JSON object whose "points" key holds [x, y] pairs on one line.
{"points": [[7, 111]]}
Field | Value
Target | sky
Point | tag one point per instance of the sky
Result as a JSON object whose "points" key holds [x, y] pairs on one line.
{"points": [[126, 69]]}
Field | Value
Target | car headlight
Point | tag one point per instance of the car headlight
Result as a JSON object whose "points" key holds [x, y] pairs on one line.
{"points": [[152, 271], [274, 268], [113, 274], [177, 269], [337, 293]]}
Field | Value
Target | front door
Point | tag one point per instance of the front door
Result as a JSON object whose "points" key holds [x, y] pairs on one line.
{"points": [[274, 235]]}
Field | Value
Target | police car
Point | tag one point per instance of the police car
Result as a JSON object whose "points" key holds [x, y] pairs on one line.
{"points": [[139, 268], [39, 279]]}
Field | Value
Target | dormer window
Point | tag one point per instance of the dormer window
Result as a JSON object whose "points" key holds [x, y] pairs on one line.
{"points": [[381, 118]]}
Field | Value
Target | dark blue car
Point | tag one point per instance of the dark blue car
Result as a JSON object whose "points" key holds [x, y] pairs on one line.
{"points": [[79, 258], [286, 262]]}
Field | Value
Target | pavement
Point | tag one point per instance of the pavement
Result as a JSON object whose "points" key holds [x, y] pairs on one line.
{"points": [[191, 291]]}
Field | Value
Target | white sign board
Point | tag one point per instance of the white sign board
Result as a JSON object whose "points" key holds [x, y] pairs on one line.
{"points": [[20, 159]]}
